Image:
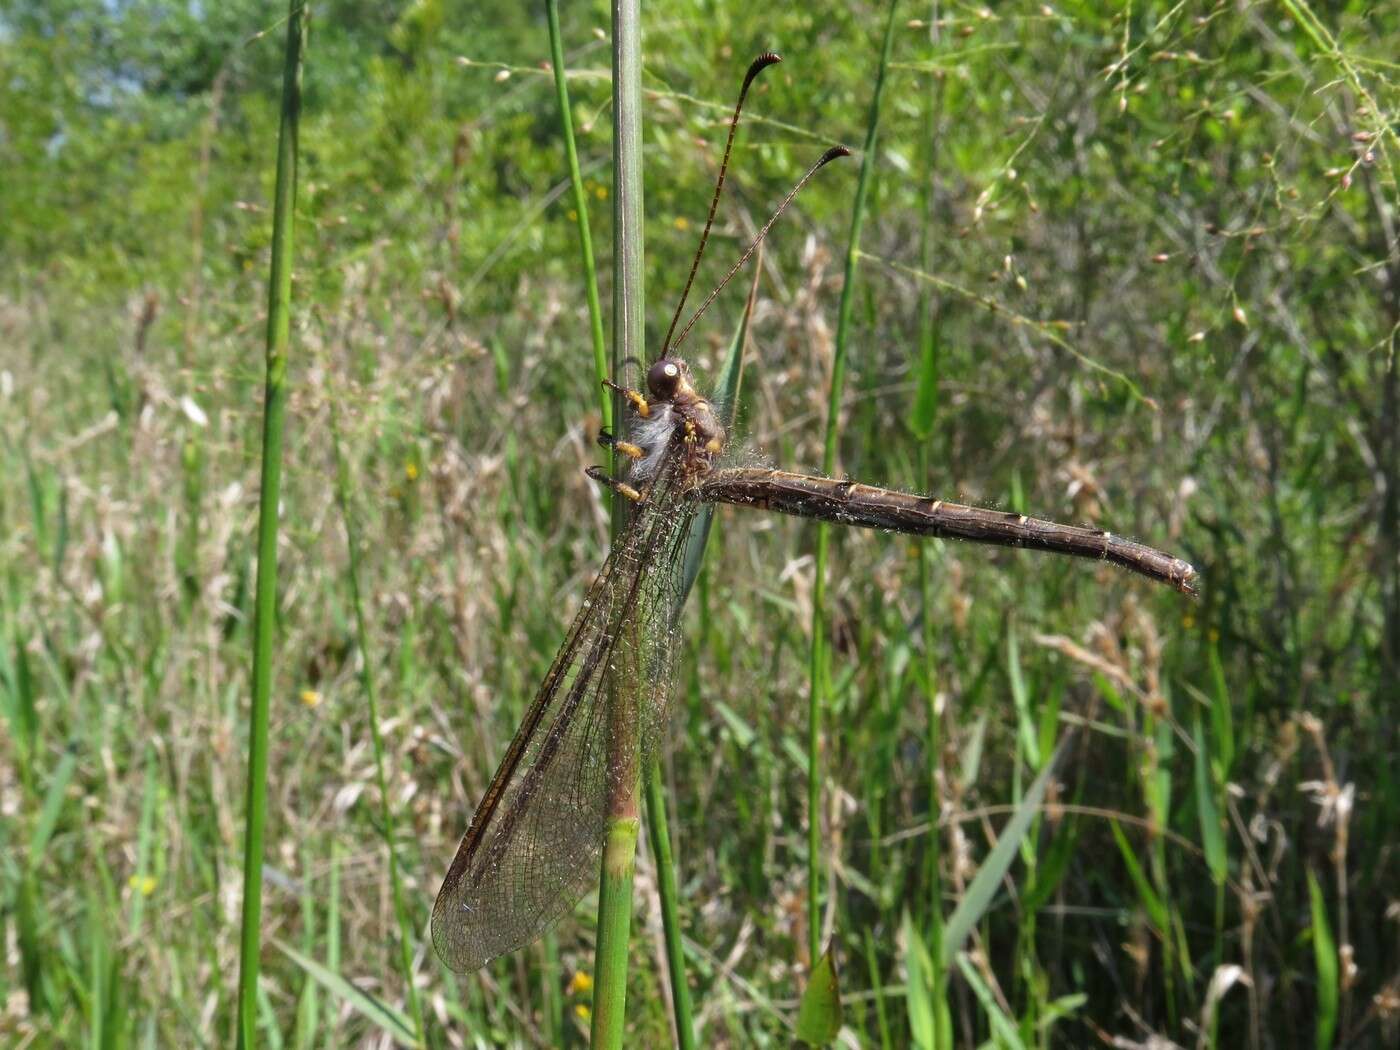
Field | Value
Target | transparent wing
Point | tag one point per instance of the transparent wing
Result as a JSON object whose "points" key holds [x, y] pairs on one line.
{"points": [[535, 842]]}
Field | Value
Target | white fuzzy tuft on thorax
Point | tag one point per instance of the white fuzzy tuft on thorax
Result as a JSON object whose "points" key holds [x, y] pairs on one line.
{"points": [[652, 435]]}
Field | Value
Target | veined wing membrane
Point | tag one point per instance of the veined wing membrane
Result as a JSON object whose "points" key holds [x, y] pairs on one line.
{"points": [[533, 847]]}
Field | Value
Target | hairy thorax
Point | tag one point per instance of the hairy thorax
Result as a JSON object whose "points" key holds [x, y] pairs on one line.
{"points": [[675, 411]]}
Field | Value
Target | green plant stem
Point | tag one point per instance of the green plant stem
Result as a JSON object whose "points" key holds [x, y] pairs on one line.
{"points": [[659, 836], [924, 424], [615, 887], [818, 662], [658, 832], [614, 929], [386, 811], [265, 602], [585, 238]]}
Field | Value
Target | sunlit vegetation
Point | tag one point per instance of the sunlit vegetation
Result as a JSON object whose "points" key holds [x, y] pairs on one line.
{"points": [[1130, 266]]}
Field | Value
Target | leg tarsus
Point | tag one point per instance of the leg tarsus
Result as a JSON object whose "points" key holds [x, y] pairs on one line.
{"points": [[638, 399], [620, 487], [631, 451]]}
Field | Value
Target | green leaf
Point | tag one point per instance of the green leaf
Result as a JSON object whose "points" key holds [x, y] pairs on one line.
{"points": [[1325, 955], [972, 752], [1157, 786], [925, 411], [1152, 904], [1221, 715], [744, 734], [918, 985], [1020, 697], [267, 1019], [819, 1013], [53, 804], [25, 709], [29, 920], [1212, 838], [983, 888], [1059, 1009], [1052, 868], [1109, 692], [99, 972], [1002, 1025], [390, 1021]]}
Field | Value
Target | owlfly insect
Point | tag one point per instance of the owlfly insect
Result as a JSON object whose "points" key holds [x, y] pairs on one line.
{"points": [[534, 844]]}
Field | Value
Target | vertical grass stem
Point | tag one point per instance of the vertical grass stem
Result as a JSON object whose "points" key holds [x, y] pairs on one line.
{"points": [[585, 238], [818, 661], [265, 602], [619, 852], [386, 811]]}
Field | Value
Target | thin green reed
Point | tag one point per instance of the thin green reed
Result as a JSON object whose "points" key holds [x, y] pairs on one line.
{"points": [[658, 832], [659, 837], [620, 846], [923, 423], [265, 602], [818, 668], [585, 238], [386, 811]]}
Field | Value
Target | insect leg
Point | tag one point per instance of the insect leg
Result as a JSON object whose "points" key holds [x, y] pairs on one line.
{"points": [[620, 487], [638, 399], [608, 440]]}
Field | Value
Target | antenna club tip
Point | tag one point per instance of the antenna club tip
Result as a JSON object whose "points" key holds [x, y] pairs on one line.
{"points": [[759, 64], [834, 152]]}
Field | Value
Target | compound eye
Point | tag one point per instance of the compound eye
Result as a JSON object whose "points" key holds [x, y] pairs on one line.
{"points": [[663, 378]]}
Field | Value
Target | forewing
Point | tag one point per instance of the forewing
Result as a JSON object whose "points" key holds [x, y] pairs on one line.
{"points": [[535, 842]]}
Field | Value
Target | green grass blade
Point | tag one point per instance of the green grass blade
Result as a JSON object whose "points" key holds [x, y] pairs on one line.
{"points": [[918, 985], [877, 988], [1151, 902], [1222, 717], [1051, 867], [585, 237], [54, 799], [1003, 1026], [818, 672], [380, 1014], [265, 616], [659, 836], [99, 972], [1020, 698], [388, 825], [982, 890], [924, 414], [267, 1014], [22, 709], [971, 764], [1208, 816], [308, 1014], [33, 960], [1325, 959]]}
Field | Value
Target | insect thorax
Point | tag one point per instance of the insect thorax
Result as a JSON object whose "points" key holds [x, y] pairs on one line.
{"points": [[690, 422]]}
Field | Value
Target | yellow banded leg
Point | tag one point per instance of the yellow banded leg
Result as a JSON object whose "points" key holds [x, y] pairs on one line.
{"points": [[638, 399], [628, 449], [620, 487]]}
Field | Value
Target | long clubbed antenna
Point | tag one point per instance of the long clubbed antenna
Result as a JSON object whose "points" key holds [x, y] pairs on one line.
{"points": [[757, 66], [826, 158]]}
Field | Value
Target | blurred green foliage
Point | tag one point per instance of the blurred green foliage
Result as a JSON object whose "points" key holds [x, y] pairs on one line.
{"points": [[1163, 290]]}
